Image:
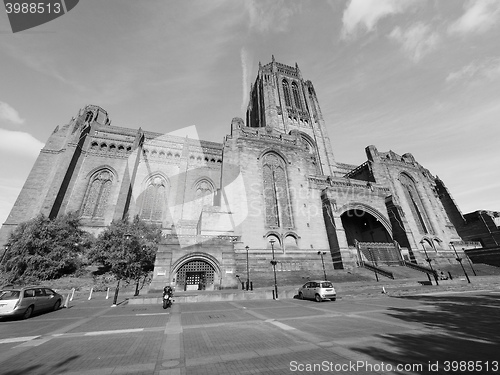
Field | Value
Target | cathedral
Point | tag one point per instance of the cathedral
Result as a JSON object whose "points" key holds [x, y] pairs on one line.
{"points": [[272, 189]]}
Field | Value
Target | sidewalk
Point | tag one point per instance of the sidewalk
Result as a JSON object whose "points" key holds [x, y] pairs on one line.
{"points": [[347, 290]]}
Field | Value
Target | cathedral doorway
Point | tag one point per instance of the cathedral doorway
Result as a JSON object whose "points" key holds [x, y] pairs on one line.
{"points": [[195, 275], [362, 226]]}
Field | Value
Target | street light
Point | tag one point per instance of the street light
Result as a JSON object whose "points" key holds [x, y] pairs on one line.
{"points": [[127, 237], [459, 260], [273, 262], [429, 260], [248, 269], [322, 261], [468, 259]]}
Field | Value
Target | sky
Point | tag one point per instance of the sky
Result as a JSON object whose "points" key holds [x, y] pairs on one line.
{"points": [[417, 76]]}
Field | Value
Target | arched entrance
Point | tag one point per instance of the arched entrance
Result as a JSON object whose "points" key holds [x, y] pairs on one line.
{"points": [[362, 226], [196, 272], [195, 275]]}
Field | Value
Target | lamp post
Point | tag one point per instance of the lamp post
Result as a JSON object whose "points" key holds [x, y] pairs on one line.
{"points": [[429, 260], [273, 262], [470, 263], [126, 236], [5, 252], [459, 260], [248, 269], [322, 261]]}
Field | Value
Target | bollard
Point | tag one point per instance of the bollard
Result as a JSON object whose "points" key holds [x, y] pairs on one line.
{"points": [[90, 295], [72, 294], [247, 286], [107, 293], [242, 285], [251, 285], [66, 304]]}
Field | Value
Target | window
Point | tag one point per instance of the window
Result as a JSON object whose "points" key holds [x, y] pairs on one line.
{"points": [[89, 116], [276, 195], [290, 242], [154, 199], [286, 94], [204, 191], [97, 195], [416, 204], [296, 96]]}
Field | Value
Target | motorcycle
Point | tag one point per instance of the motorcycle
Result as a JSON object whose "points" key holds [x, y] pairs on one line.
{"points": [[167, 300]]}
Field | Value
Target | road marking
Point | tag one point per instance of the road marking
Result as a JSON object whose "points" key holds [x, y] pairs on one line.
{"points": [[152, 314], [17, 339], [286, 327], [97, 333], [34, 342], [453, 292]]}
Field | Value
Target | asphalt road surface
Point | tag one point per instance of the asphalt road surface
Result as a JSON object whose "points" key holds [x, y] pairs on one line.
{"points": [[439, 333]]}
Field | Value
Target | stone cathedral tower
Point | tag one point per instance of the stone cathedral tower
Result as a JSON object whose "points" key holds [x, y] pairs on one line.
{"points": [[272, 186], [281, 100]]}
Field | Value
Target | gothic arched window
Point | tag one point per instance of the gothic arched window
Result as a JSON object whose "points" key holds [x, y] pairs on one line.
{"points": [[97, 194], [276, 195], [416, 204], [286, 94], [204, 191], [296, 96], [154, 198]]}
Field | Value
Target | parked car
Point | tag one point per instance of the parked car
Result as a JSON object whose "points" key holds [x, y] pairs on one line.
{"points": [[28, 300], [318, 290]]}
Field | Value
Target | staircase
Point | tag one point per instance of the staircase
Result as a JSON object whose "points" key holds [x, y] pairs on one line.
{"points": [[419, 267], [378, 270]]}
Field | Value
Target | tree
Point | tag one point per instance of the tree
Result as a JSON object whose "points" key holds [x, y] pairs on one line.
{"points": [[127, 250], [44, 249]]}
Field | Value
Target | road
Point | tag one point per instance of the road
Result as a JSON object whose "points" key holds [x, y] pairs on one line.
{"points": [[422, 334]]}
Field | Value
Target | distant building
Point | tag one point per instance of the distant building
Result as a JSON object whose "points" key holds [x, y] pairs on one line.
{"points": [[273, 184], [483, 227]]}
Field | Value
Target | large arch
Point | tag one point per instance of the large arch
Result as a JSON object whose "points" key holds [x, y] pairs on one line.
{"points": [[197, 271], [363, 223], [372, 211]]}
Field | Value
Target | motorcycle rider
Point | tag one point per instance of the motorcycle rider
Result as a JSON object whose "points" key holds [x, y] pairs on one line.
{"points": [[167, 292]]}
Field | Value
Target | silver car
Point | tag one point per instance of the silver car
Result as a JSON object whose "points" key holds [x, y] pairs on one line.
{"points": [[28, 300], [318, 290]]}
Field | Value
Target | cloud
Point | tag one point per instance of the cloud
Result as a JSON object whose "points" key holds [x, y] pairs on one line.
{"points": [[364, 14], [489, 69], [19, 143], [271, 15], [479, 17], [416, 41], [10, 114]]}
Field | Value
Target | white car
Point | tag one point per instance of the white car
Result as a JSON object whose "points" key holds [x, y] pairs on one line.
{"points": [[25, 301], [319, 290]]}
